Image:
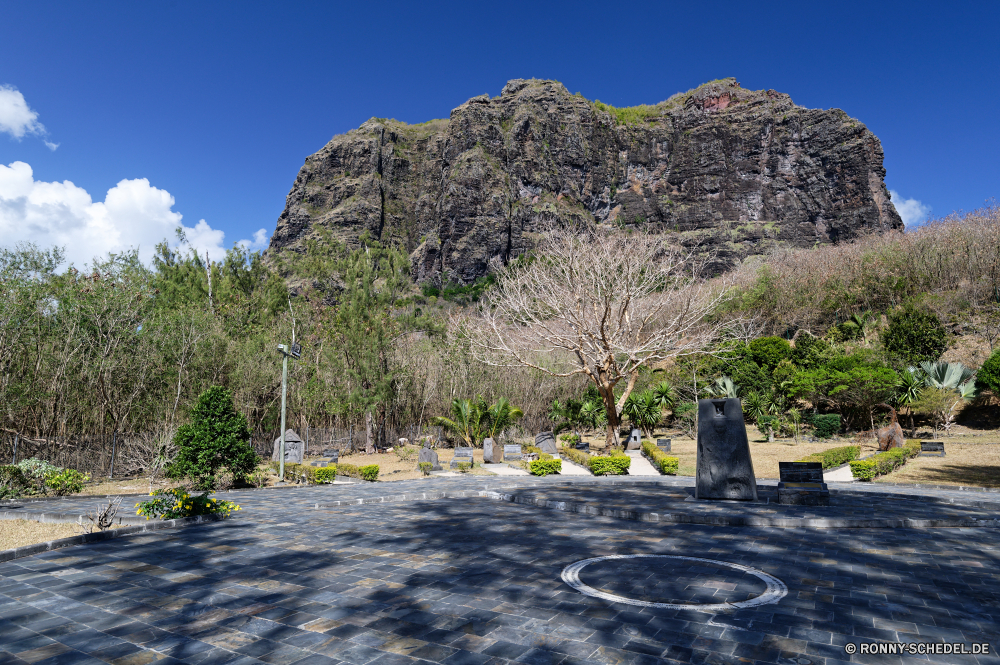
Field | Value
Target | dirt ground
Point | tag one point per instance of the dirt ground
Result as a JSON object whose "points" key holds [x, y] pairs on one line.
{"points": [[18, 533], [973, 464], [391, 467]]}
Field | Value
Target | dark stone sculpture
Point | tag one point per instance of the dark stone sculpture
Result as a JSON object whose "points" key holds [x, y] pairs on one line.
{"points": [[725, 470], [546, 441], [428, 455]]}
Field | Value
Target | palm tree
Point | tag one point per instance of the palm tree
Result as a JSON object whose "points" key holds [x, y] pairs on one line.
{"points": [[500, 416], [755, 405], [467, 419], [946, 375], [593, 414]]}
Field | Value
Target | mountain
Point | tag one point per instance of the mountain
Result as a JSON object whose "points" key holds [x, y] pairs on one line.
{"points": [[730, 171]]}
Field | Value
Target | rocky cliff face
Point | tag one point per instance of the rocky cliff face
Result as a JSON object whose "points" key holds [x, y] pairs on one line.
{"points": [[728, 170]]}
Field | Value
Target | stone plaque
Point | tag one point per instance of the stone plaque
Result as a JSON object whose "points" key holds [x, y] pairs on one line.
{"points": [[663, 444], [546, 441], [801, 484], [428, 455], [294, 448], [724, 467], [512, 452], [461, 455], [932, 448], [800, 472]]}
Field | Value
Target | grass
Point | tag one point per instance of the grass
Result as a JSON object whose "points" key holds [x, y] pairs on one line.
{"points": [[18, 533], [391, 467], [970, 464]]}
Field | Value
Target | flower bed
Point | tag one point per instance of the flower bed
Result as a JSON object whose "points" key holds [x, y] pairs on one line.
{"points": [[175, 503]]}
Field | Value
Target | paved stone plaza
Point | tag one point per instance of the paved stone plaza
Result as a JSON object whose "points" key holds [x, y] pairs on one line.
{"points": [[474, 574]]}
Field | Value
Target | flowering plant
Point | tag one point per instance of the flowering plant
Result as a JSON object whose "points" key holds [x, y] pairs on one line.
{"points": [[174, 503]]}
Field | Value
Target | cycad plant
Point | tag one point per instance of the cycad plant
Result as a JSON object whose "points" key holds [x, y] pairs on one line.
{"points": [[500, 416], [467, 419], [642, 410]]}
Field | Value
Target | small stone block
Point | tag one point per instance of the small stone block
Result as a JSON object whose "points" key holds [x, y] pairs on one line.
{"points": [[932, 448], [461, 455], [663, 444], [512, 452]]}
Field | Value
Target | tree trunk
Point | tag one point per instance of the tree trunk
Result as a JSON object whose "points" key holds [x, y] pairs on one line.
{"points": [[611, 410], [369, 433], [913, 427]]}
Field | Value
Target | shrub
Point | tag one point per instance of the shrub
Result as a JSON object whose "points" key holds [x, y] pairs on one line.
{"points": [[767, 352], [36, 471], [826, 424], [914, 336], [613, 465], [463, 467], [297, 472], [834, 456], [217, 437], [13, 482], [406, 453], [425, 467], [665, 463], [885, 462], [174, 503], [544, 467], [66, 481], [578, 456], [368, 472], [570, 439], [325, 474], [988, 375]]}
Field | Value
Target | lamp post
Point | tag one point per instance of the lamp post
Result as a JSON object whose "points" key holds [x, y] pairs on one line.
{"points": [[295, 351]]}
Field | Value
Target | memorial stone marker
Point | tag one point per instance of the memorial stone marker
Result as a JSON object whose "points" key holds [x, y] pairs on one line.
{"points": [[294, 448], [546, 441], [428, 455], [461, 455], [634, 440], [511, 452], [663, 444], [801, 484], [932, 448], [492, 453], [724, 467]]}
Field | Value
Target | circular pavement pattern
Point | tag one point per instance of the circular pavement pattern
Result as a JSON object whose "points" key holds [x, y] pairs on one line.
{"points": [[775, 588]]}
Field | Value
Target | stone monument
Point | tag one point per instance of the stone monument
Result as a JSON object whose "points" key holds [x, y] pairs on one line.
{"points": [[294, 448], [801, 484], [932, 448], [461, 455], [546, 441], [428, 455], [512, 452], [724, 467], [634, 440], [663, 445], [492, 452]]}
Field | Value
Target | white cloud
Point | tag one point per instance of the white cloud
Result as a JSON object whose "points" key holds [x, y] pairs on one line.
{"points": [[134, 214], [911, 210], [18, 119]]}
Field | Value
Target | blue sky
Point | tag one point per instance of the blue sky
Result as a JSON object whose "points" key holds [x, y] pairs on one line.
{"points": [[192, 111]]}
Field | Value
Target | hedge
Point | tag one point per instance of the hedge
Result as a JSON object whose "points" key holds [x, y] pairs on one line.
{"points": [[368, 472], [834, 456], [613, 465], [664, 462], [544, 467], [578, 456], [297, 471], [883, 463], [325, 474]]}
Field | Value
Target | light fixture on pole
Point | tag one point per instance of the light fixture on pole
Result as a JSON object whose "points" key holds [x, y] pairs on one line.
{"points": [[295, 351]]}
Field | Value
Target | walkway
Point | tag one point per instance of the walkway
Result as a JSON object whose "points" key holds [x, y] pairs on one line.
{"points": [[452, 571]]}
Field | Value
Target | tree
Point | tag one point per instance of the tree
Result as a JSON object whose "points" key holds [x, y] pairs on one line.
{"points": [[767, 352], [941, 404], [603, 304], [500, 416], [642, 410], [217, 437], [910, 385], [914, 336], [988, 375]]}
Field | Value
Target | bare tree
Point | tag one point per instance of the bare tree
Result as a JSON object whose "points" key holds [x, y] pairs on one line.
{"points": [[605, 304]]}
